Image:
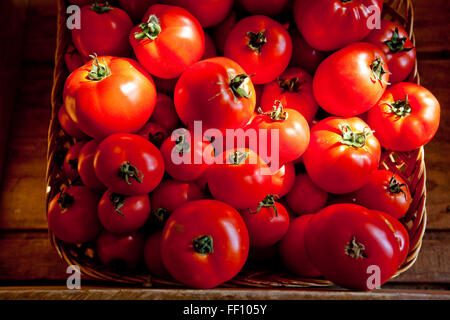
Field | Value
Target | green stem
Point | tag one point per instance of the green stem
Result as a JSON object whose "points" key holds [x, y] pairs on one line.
{"points": [[401, 108], [256, 40], [203, 244], [353, 139], [127, 171], [396, 187], [277, 114], [99, 71], [237, 86], [151, 29], [355, 249], [267, 202], [397, 44], [290, 85], [96, 7], [378, 69], [65, 200], [238, 157], [118, 200]]}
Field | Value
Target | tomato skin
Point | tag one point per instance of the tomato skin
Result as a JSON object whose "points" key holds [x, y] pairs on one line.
{"points": [[136, 8], [73, 59], [154, 133], [180, 43], [283, 180], [303, 55], [294, 89], [220, 31], [165, 85], [114, 109], [140, 154], [411, 131], [336, 232], [400, 63], [229, 238], [70, 166], [210, 48], [337, 167], [265, 7], [332, 24], [292, 248], [86, 166], [103, 33], [344, 83], [69, 126], [203, 92], [77, 221], [152, 256], [272, 57], [305, 197], [164, 113]]}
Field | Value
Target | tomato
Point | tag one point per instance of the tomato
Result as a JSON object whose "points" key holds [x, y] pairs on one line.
{"points": [[165, 85], [385, 192], [168, 41], [70, 166], [136, 8], [73, 59], [351, 80], [220, 31], [266, 223], [305, 197], [68, 125], [217, 92], [294, 89], [208, 12], [345, 241], [120, 252], [152, 256], [210, 48], [398, 48], [303, 55], [154, 133], [261, 46], [240, 178], [128, 164], [204, 243], [104, 31], [332, 24], [342, 154], [123, 214], [292, 249], [81, 2], [72, 215], [164, 113], [110, 80], [406, 117], [265, 7], [86, 166], [283, 180]]}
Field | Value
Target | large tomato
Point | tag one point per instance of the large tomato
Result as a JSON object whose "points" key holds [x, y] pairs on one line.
{"points": [[305, 197], [136, 8], [216, 91], [331, 24], [406, 117], [262, 46], [73, 58], [204, 243], [86, 166], [351, 80], [109, 95], [342, 154], [168, 41], [104, 31], [152, 255], [303, 55], [265, 7], [164, 113], [68, 125], [128, 164], [283, 180]]}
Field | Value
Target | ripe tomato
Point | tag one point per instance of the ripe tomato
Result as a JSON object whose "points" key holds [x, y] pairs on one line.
{"points": [[261, 46], [70, 166], [165, 85], [332, 24], [164, 113], [283, 180], [154, 133], [303, 55], [69, 126], [204, 243], [351, 80], [292, 249], [217, 92], [220, 31], [210, 48], [266, 223], [128, 164], [123, 214], [86, 166], [136, 8], [294, 89], [152, 256], [73, 58], [110, 80], [72, 215], [104, 31], [344, 241], [342, 154], [265, 7], [240, 178], [406, 117], [305, 197], [168, 41], [398, 48]]}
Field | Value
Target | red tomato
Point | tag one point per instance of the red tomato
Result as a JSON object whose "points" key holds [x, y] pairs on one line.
{"points": [[345, 241], [261, 46], [152, 256], [240, 178], [398, 48], [69, 126], [217, 92], [303, 55], [406, 117], [351, 80], [204, 243], [104, 31], [342, 154], [154, 133], [86, 166], [294, 89], [168, 41], [210, 48], [110, 80], [332, 24], [136, 8], [265, 7], [164, 113], [305, 197], [128, 164], [72, 215], [165, 85], [220, 32], [267, 223], [292, 249], [385, 192], [283, 180], [123, 214], [70, 166], [73, 59]]}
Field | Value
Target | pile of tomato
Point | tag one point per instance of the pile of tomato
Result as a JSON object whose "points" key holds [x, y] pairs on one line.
{"points": [[330, 93]]}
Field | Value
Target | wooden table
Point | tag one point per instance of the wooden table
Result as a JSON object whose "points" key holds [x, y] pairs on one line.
{"points": [[30, 268]]}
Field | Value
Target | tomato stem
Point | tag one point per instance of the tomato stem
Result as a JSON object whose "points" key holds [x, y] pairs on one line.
{"points": [[157, 138], [401, 108], [203, 244], [128, 171], [237, 86], [277, 114], [378, 69], [181, 145], [396, 187], [101, 8], [99, 71], [160, 215], [353, 139], [355, 249], [267, 202], [397, 44], [238, 157], [118, 200], [65, 200], [151, 29], [290, 85], [256, 40]]}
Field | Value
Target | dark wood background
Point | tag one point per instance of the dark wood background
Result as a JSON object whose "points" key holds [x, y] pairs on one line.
{"points": [[27, 38]]}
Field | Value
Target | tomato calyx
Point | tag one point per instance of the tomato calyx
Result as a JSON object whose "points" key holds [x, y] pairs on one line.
{"points": [[101, 8], [378, 69], [99, 71], [401, 108], [160, 216], [238, 157], [118, 200], [277, 114], [181, 145], [127, 171], [256, 40], [355, 249], [203, 244], [397, 44], [290, 85], [353, 139], [65, 200], [237, 86], [151, 29], [396, 187], [157, 138], [267, 202]]}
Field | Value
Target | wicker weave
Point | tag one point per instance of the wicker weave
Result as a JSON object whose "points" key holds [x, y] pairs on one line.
{"points": [[410, 166]]}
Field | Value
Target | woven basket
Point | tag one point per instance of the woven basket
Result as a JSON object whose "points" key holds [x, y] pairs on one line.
{"points": [[409, 165]]}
